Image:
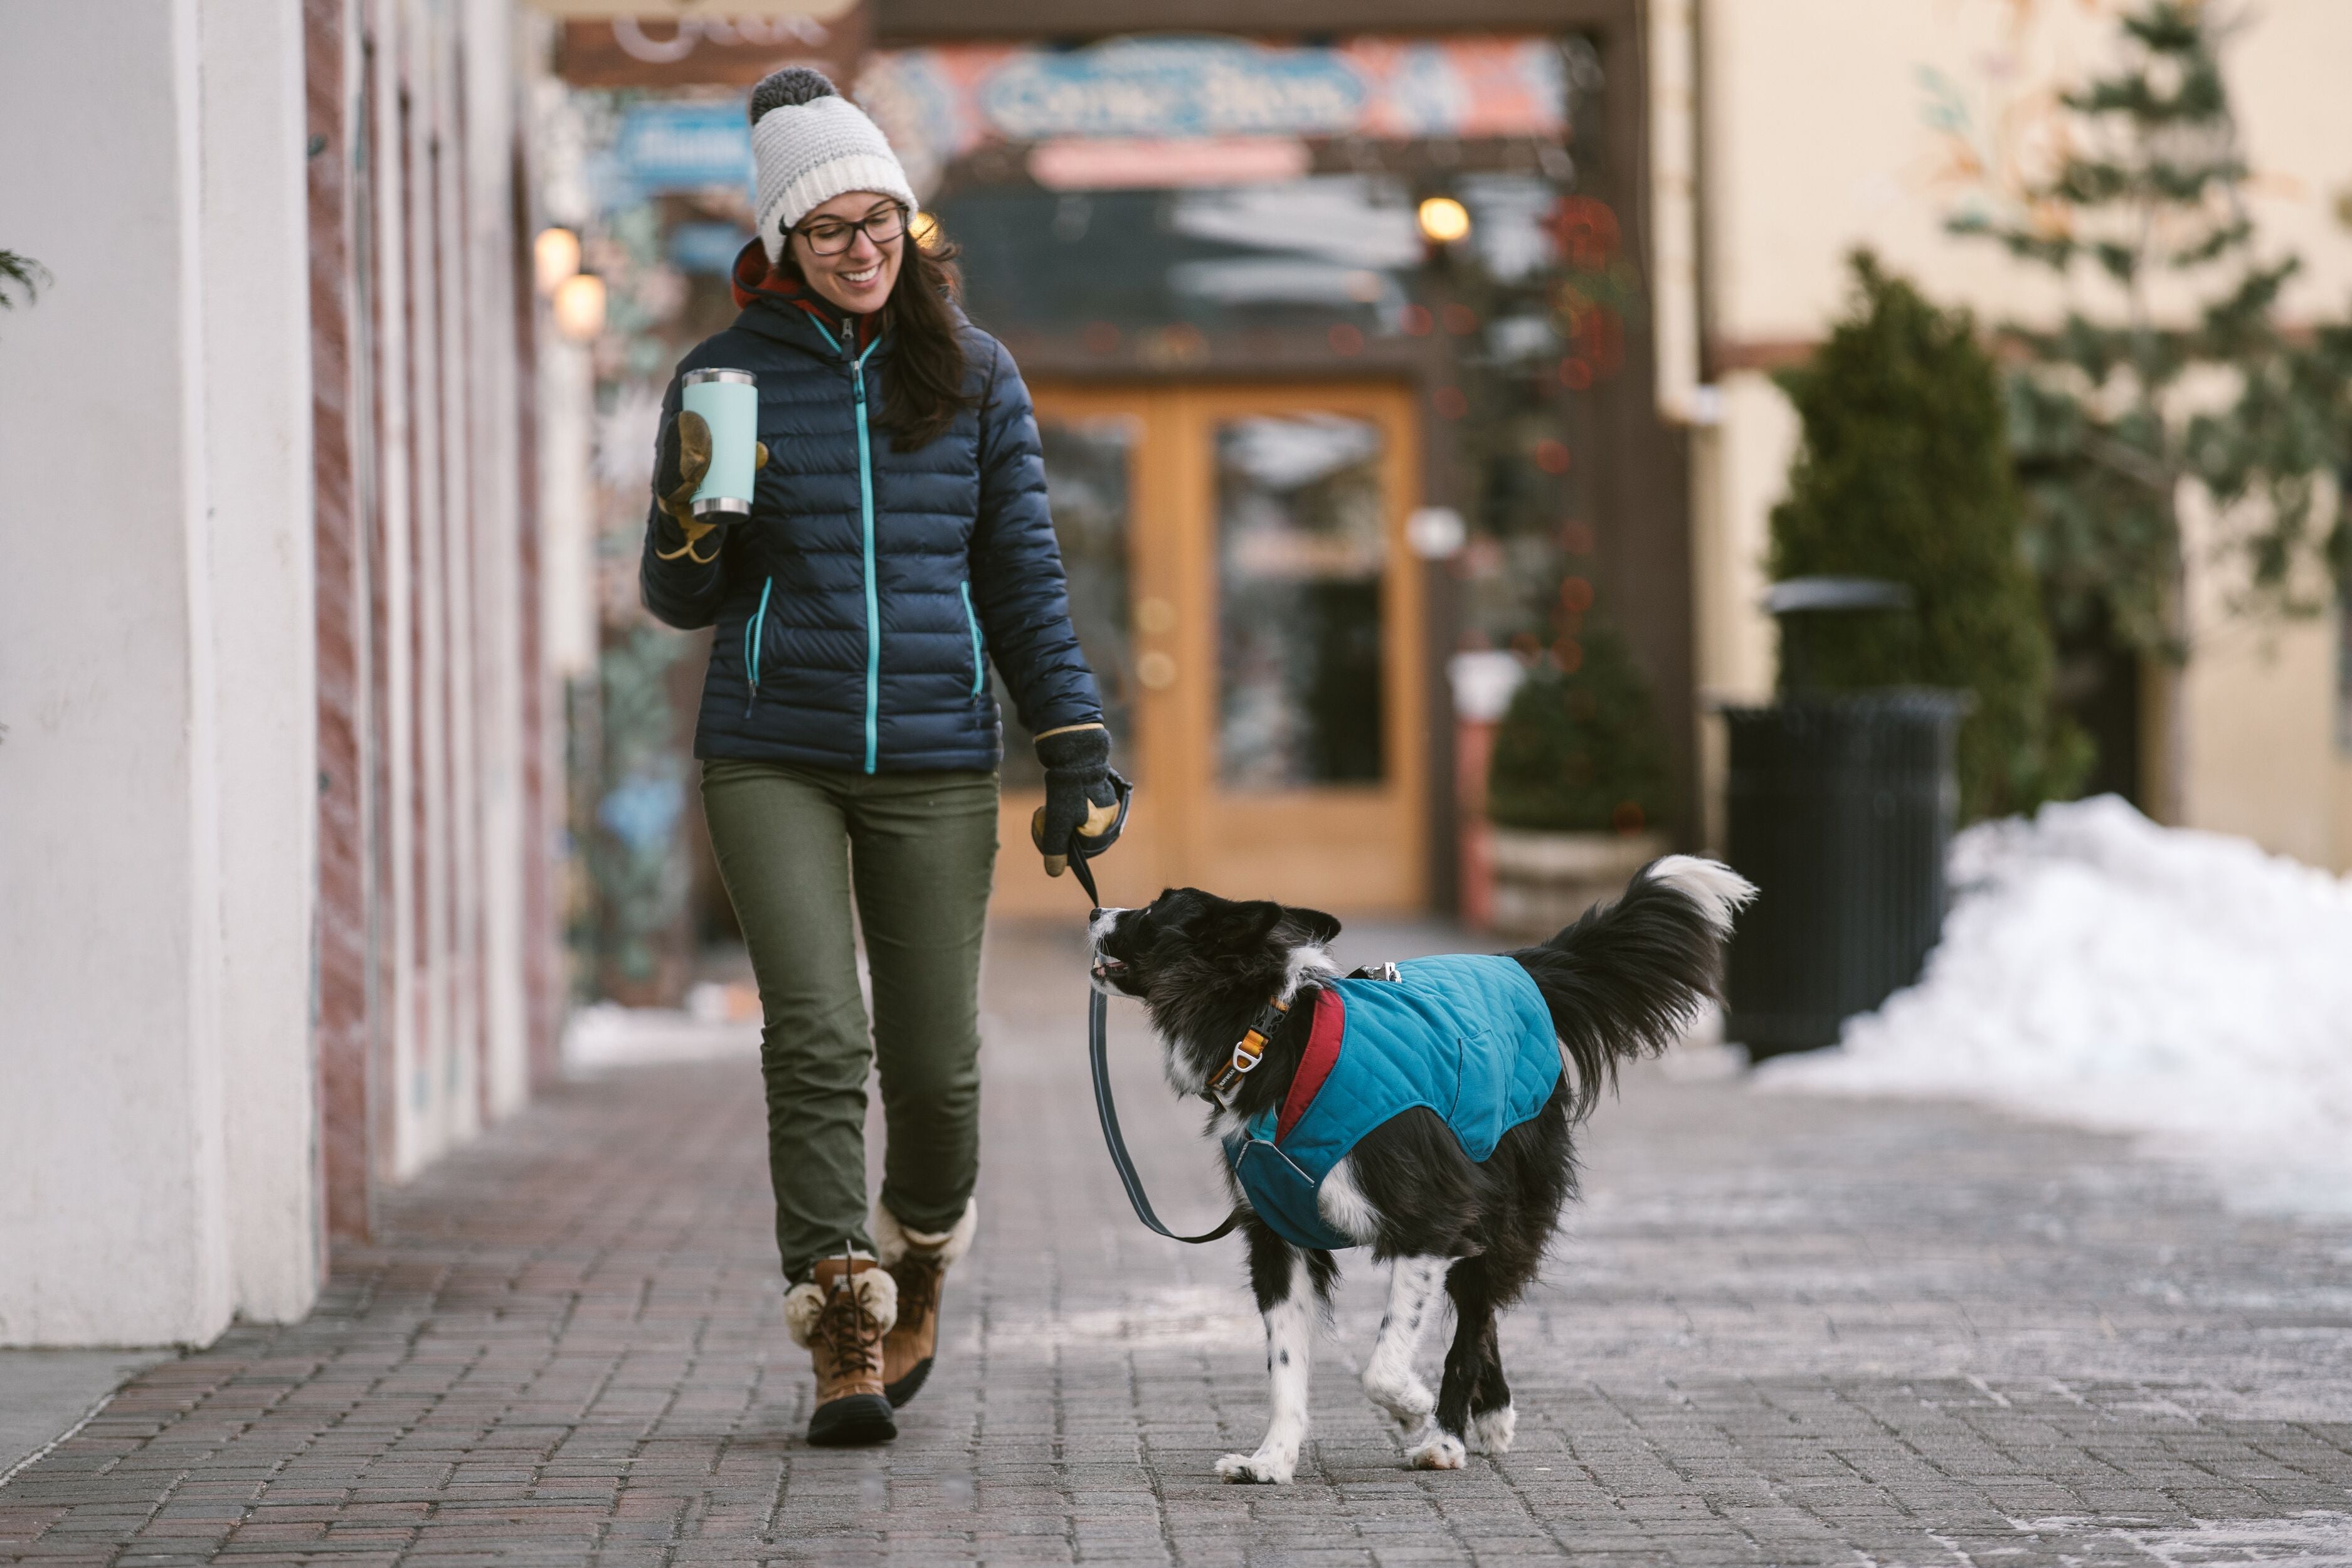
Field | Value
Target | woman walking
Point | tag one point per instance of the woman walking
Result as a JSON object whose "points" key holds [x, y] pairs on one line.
{"points": [[898, 540]]}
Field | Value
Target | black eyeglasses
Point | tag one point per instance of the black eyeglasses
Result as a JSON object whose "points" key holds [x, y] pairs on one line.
{"points": [[831, 236]]}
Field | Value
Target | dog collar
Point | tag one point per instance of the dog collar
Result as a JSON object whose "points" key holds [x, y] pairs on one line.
{"points": [[1248, 1051]]}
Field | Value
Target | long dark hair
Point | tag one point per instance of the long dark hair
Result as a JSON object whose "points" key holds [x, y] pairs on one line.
{"points": [[922, 381], [923, 387]]}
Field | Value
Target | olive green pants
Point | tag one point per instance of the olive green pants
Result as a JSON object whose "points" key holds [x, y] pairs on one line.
{"points": [[919, 849]]}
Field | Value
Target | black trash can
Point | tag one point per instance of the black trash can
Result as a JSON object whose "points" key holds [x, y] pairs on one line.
{"points": [[1841, 807]]}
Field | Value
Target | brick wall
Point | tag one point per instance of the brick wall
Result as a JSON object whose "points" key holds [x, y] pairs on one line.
{"points": [[344, 744], [423, 640]]}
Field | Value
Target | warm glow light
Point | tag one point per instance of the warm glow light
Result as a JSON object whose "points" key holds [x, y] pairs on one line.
{"points": [[1443, 220], [925, 228], [579, 306], [555, 255]]}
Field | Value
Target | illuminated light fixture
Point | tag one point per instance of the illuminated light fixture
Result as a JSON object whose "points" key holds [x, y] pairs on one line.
{"points": [[580, 306], [1443, 220], [925, 228], [555, 255]]}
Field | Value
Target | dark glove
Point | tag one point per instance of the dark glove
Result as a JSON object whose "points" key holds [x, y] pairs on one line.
{"points": [[683, 460], [1078, 794]]}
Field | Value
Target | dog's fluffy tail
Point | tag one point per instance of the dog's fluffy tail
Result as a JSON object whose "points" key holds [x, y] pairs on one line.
{"points": [[1628, 978]]}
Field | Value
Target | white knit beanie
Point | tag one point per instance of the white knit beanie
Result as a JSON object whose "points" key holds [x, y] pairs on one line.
{"points": [[810, 144]]}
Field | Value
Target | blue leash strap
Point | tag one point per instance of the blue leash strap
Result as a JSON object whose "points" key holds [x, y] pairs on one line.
{"points": [[1098, 1060]]}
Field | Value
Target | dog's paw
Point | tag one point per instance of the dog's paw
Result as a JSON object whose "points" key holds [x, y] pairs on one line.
{"points": [[1438, 1451], [1408, 1403], [1255, 1470], [1491, 1432]]}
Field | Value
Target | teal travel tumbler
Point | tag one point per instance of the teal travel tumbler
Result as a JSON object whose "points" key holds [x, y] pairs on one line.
{"points": [[728, 401]]}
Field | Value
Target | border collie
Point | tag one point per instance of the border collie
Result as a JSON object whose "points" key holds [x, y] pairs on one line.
{"points": [[1624, 980]]}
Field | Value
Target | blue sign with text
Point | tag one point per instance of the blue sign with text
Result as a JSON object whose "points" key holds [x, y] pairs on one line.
{"points": [[683, 146]]}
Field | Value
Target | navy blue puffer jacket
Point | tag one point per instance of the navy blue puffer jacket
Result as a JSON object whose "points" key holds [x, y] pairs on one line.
{"points": [[856, 605]]}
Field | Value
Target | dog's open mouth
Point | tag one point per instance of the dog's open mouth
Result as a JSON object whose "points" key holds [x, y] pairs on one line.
{"points": [[1107, 967]]}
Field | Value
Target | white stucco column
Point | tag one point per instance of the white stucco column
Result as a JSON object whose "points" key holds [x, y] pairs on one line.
{"points": [[488, 35], [155, 654], [255, 223], [111, 1212]]}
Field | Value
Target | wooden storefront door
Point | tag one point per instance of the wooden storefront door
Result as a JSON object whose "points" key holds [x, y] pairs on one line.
{"points": [[1240, 577]]}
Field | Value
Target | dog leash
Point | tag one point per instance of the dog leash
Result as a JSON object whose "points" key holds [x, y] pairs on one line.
{"points": [[1099, 1050]]}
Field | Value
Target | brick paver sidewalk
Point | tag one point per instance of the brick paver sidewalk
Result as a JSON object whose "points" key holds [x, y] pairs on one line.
{"points": [[1784, 1331]]}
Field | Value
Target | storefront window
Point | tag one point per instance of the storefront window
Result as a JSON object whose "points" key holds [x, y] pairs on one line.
{"points": [[1300, 250], [1308, 252], [1300, 530]]}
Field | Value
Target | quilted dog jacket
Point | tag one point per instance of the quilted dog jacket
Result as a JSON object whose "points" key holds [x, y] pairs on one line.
{"points": [[1465, 1035]]}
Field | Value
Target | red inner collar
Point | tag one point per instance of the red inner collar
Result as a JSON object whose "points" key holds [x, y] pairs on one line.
{"points": [[755, 279]]}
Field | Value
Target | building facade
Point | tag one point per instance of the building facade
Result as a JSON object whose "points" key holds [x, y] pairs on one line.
{"points": [[1334, 317], [272, 786], [1815, 126]]}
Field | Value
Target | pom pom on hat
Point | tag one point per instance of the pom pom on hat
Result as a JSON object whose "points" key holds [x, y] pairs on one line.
{"points": [[791, 85], [810, 144]]}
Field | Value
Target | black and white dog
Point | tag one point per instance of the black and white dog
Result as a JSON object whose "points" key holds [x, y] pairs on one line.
{"points": [[1624, 980]]}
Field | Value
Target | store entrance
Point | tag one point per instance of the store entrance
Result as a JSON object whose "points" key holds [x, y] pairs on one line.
{"points": [[1240, 579]]}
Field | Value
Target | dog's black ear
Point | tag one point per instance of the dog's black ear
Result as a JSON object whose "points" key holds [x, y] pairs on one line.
{"points": [[1319, 927], [1243, 926]]}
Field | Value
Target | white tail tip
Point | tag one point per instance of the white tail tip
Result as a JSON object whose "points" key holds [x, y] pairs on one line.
{"points": [[1717, 889]]}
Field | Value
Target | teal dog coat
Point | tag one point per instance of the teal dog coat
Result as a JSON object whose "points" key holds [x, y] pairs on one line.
{"points": [[1467, 1036]]}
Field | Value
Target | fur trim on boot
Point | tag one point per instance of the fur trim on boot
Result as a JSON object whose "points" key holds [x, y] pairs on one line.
{"points": [[877, 1292], [893, 1241], [919, 1260]]}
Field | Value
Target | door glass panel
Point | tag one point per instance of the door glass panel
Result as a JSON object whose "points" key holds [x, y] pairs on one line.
{"points": [[1300, 547], [1088, 465]]}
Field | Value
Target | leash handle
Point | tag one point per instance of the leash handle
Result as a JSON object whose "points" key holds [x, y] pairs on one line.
{"points": [[1124, 793], [1098, 1059]]}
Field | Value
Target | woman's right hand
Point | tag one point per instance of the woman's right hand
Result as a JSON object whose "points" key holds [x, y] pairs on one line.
{"points": [[683, 460]]}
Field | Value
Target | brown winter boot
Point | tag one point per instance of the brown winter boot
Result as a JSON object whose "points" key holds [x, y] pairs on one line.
{"points": [[840, 1314], [918, 1260]]}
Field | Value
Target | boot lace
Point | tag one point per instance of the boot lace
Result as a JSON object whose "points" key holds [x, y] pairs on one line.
{"points": [[845, 1327]]}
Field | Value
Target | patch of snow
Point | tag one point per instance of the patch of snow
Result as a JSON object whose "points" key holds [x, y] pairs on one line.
{"points": [[606, 1037], [2315, 1538], [2100, 970]]}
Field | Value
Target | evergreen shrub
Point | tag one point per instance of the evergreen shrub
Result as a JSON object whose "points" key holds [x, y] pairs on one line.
{"points": [[1580, 750], [1904, 474]]}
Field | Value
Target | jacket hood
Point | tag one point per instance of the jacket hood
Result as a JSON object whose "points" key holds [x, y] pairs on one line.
{"points": [[755, 282]]}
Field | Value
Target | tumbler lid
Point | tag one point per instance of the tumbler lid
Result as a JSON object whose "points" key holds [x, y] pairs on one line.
{"points": [[695, 377]]}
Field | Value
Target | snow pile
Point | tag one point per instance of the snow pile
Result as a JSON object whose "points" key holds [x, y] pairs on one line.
{"points": [[2098, 969]]}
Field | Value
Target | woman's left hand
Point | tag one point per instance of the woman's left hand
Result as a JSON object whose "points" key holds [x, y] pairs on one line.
{"points": [[1079, 797]]}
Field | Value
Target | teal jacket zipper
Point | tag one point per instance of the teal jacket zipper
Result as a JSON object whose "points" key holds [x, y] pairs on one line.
{"points": [[979, 669], [752, 629], [866, 506]]}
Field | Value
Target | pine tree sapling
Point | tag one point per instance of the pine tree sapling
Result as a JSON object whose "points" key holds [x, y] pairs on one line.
{"points": [[1580, 751], [1904, 474], [2150, 205]]}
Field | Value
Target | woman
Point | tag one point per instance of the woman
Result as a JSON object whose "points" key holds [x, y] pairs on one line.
{"points": [[899, 539]]}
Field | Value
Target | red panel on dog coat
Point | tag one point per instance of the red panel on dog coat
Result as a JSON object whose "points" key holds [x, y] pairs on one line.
{"points": [[1322, 1054]]}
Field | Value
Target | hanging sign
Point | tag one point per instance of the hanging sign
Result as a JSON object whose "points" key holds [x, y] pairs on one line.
{"points": [[939, 103], [682, 146], [729, 50], [823, 10]]}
